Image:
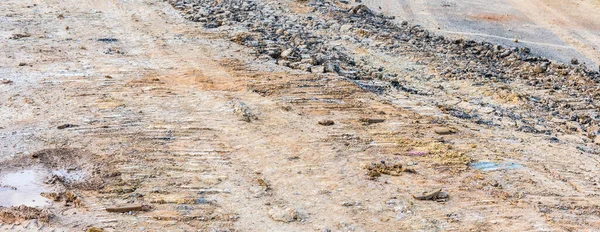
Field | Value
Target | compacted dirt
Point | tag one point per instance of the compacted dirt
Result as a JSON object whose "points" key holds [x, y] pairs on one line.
{"points": [[560, 30], [151, 115]]}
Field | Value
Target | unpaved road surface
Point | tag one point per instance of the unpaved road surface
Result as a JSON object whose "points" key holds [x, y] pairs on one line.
{"points": [[559, 30], [190, 113]]}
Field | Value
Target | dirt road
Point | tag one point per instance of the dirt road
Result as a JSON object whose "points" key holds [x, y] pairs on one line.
{"points": [[560, 30], [126, 102]]}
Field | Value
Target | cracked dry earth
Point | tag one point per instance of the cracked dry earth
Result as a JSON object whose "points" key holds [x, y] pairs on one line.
{"points": [[149, 108]]}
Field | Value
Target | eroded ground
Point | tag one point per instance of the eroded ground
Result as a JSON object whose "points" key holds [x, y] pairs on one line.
{"points": [[130, 103]]}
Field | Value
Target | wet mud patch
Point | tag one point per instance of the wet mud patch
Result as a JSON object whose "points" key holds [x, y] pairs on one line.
{"points": [[22, 188], [69, 167], [21, 197], [30, 184]]}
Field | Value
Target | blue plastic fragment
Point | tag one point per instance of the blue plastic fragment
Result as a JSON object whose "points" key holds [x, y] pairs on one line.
{"points": [[491, 166], [201, 201]]}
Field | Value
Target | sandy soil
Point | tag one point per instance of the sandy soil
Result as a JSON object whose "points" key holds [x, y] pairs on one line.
{"points": [[180, 119]]}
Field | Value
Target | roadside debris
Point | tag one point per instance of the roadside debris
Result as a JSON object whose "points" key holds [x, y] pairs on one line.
{"points": [[574, 61], [293, 158], [114, 50], [360, 10], [65, 126], [436, 195], [246, 114], [453, 158], [350, 203], [68, 196], [127, 208], [264, 184], [326, 122], [214, 191], [369, 121], [417, 153], [377, 169], [444, 130], [107, 40], [54, 178], [19, 36], [5, 81], [284, 215], [94, 229], [52, 196]]}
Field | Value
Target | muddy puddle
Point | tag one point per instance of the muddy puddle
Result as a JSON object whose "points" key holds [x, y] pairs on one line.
{"points": [[22, 188]]}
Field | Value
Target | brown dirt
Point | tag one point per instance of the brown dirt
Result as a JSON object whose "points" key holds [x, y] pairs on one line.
{"points": [[19, 214], [491, 17], [167, 130]]}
